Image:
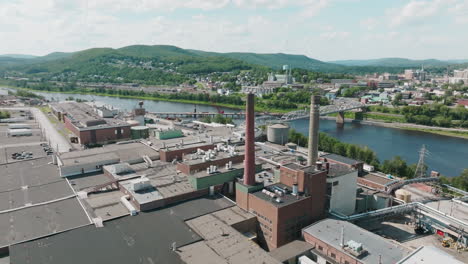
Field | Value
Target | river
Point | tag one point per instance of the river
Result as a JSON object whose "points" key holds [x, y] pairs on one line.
{"points": [[448, 155]]}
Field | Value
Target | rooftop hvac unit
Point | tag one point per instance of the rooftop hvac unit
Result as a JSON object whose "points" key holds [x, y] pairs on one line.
{"points": [[140, 184], [355, 247]]}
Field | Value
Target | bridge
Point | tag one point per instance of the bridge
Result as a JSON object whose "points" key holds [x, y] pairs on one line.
{"points": [[340, 105]]}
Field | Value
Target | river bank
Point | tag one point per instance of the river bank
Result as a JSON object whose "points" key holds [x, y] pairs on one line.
{"points": [[452, 132], [91, 92], [443, 131]]}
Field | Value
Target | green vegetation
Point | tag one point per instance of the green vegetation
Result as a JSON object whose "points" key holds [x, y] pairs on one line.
{"points": [[429, 115], [220, 119], [396, 166], [384, 117], [4, 114], [24, 93], [460, 182], [352, 91], [333, 145]]}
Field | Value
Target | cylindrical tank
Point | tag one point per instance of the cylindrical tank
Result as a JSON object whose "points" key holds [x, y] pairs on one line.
{"points": [[138, 132], [278, 134], [403, 195]]}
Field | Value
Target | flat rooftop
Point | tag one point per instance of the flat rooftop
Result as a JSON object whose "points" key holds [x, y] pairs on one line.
{"points": [[429, 255], [286, 199], [221, 169], [125, 152], [163, 177], [186, 146], [329, 231], [84, 117], [221, 243], [299, 167], [377, 178], [35, 201], [291, 250], [336, 170], [38, 221], [30, 182], [145, 238], [218, 156], [341, 159]]}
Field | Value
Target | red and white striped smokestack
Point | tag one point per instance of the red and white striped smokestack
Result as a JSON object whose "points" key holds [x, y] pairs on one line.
{"points": [[249, 162]]}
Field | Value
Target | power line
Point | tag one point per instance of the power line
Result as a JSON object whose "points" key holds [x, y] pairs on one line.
{"points": [[421, 168]]}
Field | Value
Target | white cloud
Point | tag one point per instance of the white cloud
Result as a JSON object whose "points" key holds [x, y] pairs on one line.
{"points": [[369, 23], [334, 35], [460, 12], [417, 11]]}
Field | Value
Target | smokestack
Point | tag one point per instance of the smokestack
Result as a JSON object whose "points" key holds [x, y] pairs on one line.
{"points": [[313, 129], [249, 165]]}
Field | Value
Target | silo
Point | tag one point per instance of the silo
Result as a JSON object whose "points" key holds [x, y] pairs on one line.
{"points": [[138, 132], [278, 134]]}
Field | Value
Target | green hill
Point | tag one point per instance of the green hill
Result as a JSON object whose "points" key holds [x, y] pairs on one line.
{"points": [[277, 60], [164, 64], [394, 62]]}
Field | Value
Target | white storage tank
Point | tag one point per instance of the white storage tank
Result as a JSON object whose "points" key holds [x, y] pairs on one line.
{"points": [[19, 132], [19, 126], [278, 134]]}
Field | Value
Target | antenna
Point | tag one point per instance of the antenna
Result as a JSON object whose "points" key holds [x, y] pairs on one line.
{"points": [[421, 168]]}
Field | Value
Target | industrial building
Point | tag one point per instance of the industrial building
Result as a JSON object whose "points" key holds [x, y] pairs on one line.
{"points": [[337, 241], [341, 188], [88, 125], [92, 160], [285, 207]]}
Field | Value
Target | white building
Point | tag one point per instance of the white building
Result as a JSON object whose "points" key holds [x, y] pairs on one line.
{"points": [[459, 76], [341, 189]]}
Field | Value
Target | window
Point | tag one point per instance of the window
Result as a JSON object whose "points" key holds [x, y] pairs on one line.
{"points": [[346, 262], [320, 248], [335, 183], [333, 255]]}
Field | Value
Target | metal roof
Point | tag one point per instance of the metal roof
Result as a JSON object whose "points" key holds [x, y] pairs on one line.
{"points": [[341, 159], [329, 231], [145, 238]]}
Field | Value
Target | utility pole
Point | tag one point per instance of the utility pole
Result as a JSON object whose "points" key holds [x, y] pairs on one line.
{"points": [[421, 167]]}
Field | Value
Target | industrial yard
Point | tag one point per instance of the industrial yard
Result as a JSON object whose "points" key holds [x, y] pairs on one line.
{"points": [[218, 191]]}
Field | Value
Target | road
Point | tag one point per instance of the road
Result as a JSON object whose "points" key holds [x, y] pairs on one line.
{"points": [[55, 139]]}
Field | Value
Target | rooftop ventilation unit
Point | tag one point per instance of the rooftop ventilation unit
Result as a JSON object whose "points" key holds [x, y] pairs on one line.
{"points": [[355, 248]]}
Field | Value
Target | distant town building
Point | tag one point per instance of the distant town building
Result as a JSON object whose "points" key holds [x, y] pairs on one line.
{"points": [[459, 76]]}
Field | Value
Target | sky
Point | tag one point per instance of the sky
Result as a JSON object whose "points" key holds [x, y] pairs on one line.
{"points": [[321, 29]]}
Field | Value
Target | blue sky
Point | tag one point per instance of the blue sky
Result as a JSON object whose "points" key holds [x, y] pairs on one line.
{"points": [[321, 29]]}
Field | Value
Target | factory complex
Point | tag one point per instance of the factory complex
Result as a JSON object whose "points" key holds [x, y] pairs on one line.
{"points": [[131, 190]]}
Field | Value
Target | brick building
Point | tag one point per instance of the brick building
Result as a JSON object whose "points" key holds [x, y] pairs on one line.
{"points": [[281, 209], [88, 126], [169, 154]]}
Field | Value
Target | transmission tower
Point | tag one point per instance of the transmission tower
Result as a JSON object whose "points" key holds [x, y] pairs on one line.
{"points": [[421, 168]]}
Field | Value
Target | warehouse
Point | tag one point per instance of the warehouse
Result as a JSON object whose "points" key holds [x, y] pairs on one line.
{"points": [[92, 160], [90, 128]]}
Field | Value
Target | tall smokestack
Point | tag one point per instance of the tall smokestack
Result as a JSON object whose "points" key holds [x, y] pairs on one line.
{"points": [[313, 129], [249, 163]]}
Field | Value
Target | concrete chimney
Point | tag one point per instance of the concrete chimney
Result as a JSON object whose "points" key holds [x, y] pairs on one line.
{"points": [[313, 129], [249, 162]]}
